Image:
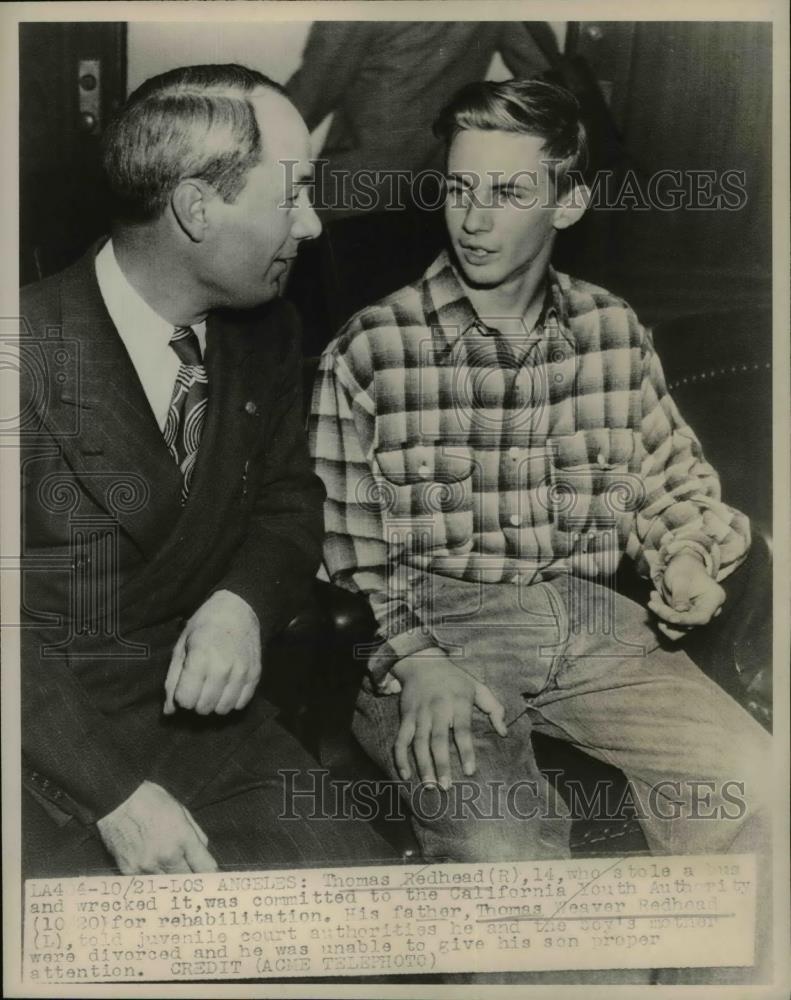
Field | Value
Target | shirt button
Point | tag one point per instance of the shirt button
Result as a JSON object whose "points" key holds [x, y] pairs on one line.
{"points": [[423, 469], [601, 459], [514, 452], [515, 519]]}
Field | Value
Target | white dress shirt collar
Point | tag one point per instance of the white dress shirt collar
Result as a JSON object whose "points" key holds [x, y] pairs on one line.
{"points": [[145, 334]]}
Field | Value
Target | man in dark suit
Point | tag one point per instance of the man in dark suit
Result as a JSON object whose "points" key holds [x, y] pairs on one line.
{"points": [[171, 521]]}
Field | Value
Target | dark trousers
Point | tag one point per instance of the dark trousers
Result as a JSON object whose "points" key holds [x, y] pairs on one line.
{"points": [[240, 811]]}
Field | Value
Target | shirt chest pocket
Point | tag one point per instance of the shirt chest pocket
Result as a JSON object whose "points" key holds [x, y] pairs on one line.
{"points": [[593, 484], [426, 493]]}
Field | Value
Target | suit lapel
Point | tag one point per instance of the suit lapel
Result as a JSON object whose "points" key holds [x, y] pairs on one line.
{"points": [[115, 445], [229, 437], [118, 441]]}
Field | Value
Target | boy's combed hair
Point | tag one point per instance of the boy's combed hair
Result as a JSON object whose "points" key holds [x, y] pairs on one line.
{"points": [[195, 121], [526, 107]]}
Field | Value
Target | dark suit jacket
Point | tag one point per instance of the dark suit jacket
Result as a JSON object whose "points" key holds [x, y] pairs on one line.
{"points": [[113, 564]]}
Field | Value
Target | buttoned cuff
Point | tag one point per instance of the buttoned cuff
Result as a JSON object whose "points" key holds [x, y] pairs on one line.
{"points": [[697, 544], [396, 648]]}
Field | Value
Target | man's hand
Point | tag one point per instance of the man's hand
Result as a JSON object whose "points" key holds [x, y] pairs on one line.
{"points": [[216, 663], [689, 596], [151, 832], [438, 696]]}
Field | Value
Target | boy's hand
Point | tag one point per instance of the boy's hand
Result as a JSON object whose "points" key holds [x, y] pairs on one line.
{"points": [[438, 696], [689, 596]]}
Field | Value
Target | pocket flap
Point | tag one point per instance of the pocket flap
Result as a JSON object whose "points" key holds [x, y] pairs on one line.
{"points": [[421, 463], [603, 448]]}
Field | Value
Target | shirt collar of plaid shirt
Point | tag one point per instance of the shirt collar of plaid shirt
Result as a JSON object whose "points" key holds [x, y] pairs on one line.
{"points": [[450, 314]]}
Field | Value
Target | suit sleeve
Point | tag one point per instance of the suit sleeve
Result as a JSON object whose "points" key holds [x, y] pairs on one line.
{"points": [[330, 62], [521, 54], [71, 756], [274, 566]]}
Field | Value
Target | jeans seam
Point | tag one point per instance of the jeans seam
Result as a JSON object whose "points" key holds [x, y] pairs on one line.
{"points": [[558, 606]]}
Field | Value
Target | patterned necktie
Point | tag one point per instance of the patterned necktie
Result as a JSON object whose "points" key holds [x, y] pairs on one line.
{"points": [[187, 411]]}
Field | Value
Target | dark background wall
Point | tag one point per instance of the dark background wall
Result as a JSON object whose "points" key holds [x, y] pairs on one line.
{"points": [[689, 96], [683, 96]]}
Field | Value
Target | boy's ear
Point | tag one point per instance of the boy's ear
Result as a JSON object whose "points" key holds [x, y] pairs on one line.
{"points": [[571, 206], [189, 204]]}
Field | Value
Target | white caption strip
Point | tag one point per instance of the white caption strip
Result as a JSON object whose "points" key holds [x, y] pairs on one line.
{"points": [[589, 914]]}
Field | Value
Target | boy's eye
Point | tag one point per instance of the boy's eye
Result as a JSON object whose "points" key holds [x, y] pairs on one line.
{"points": [[293, 199], [458, 192], [510, 195]]}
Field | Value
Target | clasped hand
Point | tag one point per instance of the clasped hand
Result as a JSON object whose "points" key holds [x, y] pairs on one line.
{"points": [[690, 596], [437, 697], [216, 663]]}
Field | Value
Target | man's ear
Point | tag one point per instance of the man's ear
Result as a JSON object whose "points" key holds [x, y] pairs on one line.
{"points": [[571, 206], [189, 202]]}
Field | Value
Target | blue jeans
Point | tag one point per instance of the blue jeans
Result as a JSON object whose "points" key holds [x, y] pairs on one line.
{"points": [[579, 662]]}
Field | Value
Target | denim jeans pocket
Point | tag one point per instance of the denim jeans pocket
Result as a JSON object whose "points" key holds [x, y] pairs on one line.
{"points": [[507, 636], [602, 627]]}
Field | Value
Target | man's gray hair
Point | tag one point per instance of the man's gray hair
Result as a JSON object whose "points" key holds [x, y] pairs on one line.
{"points": [[195, 121]]}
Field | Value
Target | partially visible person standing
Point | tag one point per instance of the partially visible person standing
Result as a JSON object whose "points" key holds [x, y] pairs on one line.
{"points": [[386, 82]]}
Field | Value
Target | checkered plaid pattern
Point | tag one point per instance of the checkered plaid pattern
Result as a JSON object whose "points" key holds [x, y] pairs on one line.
{"points": [[470, 447]]}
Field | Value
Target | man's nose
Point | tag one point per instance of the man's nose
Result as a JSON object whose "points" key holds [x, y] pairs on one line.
{"points": [[477, 219], [307, 224]]}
